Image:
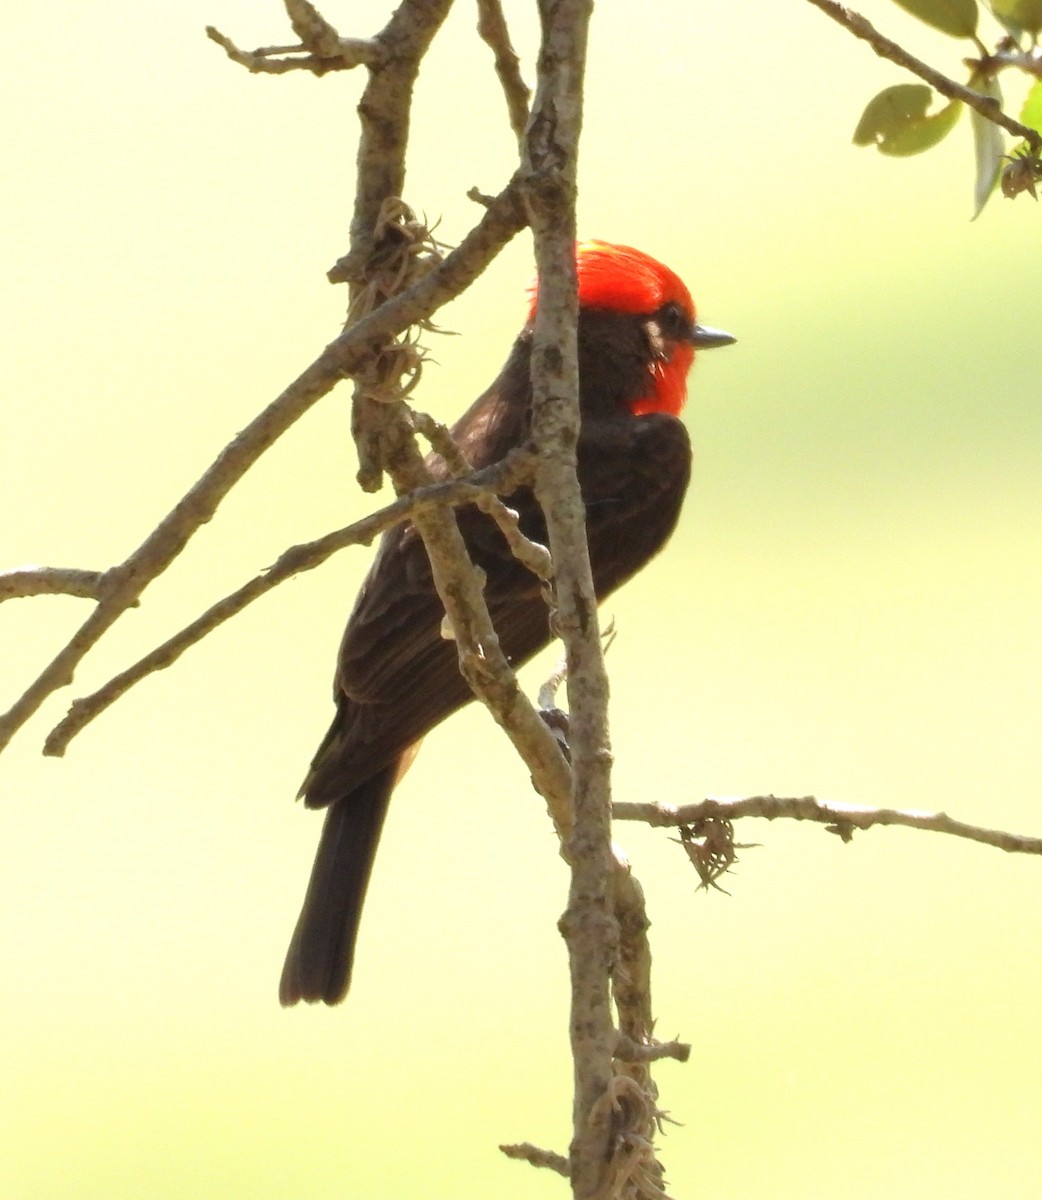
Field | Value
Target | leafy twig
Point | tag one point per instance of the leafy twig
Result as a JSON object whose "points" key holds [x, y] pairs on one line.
{"points": [[885, 48]]}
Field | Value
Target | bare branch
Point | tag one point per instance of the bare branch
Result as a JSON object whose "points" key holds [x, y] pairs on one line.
{"points": [[506, 475], [1010, 55], [885, 48], [19, 582], [352, 52], [345, 354], [549, 156], [384, 434], [460, 586], [841, 819], [321, 48], [538, 1157], [492, 28], [531, 554], [636, 1124], [312, 28], [630, 1051], [631, 972], [384, 114]]}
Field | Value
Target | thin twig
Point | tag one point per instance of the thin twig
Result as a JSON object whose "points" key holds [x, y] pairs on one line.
{"points": [[384, 114], [841, 819], [345, 354], [353, 52], [507, 475], [492, 28], [321, 48], [636, 1049], [1010, 56], [19, 582], [312, 28], [630, 1051], [529, 553], [885, 48], [460, 586], [538, 1157], [385, 436]]}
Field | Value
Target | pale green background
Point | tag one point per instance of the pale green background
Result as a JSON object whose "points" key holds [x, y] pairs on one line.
{"points": [[852, 606]]}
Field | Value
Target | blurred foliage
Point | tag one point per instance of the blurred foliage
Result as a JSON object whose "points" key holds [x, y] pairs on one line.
{"points": [[988, 144], [955, 17], [898, 122], [1018, 16]]}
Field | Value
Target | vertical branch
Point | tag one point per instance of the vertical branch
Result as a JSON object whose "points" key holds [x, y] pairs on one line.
{"points": [[383, 430], [492, 28], [589, 927], [631, 988], [384, 113]]}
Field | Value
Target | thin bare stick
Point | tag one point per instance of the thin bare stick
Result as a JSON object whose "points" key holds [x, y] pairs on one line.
{"points": [[635, 1047], [492, 28], [635, 1154], [537, 1157], [19, 582], [530, 554], [645, 1052], [352, 52], [885, 48], [460, 586], [384, 433], [1011, 56], [841, 819], [384, 114], [345, 354], [507, 474], [321, 48]]}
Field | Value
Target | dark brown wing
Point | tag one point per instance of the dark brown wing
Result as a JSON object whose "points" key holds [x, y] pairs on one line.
{"points": [[398, 677]]}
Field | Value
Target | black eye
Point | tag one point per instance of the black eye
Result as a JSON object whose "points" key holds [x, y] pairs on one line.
{"points": [[674, 322]]}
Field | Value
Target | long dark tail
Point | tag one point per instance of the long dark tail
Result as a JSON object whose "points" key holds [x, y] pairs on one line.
{"points": [[320, 955]]}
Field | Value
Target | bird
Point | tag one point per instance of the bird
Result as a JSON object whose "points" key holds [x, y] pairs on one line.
{"points": [[397, 676]]}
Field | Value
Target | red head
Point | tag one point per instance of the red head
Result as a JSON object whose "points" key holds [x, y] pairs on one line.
{"points": [[626, 280]]}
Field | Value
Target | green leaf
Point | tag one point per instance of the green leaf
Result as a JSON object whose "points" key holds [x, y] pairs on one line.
{"points": [[956, 17], [988, 145], [896, 121], [1031, 113], [1018, 16]]}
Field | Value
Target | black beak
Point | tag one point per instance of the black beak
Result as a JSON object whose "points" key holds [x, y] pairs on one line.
{"points": [[705, 338]]}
